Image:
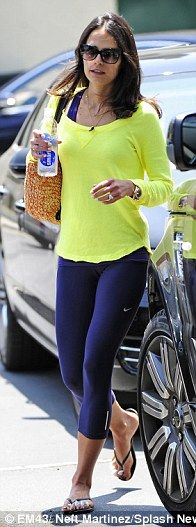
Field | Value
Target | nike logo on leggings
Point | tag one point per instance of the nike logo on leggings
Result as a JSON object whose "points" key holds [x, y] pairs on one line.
{"points": [[127, 308]]}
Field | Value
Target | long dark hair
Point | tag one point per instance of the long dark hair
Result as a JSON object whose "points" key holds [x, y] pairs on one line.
{"points": [[125, 93]]}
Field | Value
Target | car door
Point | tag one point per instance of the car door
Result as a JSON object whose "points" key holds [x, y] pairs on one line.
{"points": [[29, 246]]}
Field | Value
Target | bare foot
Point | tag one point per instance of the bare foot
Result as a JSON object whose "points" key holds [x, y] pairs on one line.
{"points": [[79, 499], [122, 443]]}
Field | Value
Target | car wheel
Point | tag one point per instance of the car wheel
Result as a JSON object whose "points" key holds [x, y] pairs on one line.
{"points": [[167, 430], [18, 350]]}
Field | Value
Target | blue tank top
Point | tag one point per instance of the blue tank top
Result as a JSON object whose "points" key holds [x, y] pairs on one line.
{"points": [[72, 112]]}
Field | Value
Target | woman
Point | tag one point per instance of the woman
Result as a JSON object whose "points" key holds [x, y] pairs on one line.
{"points": [[110, 135]]}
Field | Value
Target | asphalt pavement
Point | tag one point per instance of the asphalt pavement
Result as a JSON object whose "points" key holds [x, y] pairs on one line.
{"points": [[38, 456]]}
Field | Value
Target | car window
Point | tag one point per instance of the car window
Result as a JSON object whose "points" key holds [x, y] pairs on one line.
{"points": [[34, 122], [31, 90], [176, 93]]}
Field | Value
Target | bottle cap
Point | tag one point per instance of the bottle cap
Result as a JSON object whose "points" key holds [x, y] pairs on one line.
{"points": [[50, 138]]}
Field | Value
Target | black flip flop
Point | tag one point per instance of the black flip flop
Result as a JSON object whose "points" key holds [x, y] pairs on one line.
{"points": [[131, 450], [78, 510]]}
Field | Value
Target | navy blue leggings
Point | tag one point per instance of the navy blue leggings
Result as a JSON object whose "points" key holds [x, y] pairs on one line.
{"points": [[95, 304]]}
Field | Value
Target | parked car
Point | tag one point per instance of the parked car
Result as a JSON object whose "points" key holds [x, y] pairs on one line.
{"points": [[167, 365], [169, 74], [17, 97], [29, 261]]}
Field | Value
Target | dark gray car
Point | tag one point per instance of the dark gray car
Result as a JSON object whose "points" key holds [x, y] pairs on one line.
{"points": [[167, 366]]}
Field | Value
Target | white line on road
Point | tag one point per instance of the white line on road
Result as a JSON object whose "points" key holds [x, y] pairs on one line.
{"points": [[54, 465]]}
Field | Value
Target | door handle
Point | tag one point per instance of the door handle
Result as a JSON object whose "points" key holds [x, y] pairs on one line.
{"points": [[3, 191], [19, 205]]}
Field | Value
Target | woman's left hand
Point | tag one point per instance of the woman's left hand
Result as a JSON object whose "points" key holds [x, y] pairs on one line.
{"points": [[112, 190]]}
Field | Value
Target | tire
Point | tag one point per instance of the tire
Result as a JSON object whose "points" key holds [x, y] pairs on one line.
{"points": [[167, 429], [126, 399], [19, 351]]}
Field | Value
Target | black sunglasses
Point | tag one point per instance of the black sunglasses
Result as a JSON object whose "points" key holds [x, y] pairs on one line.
{"points": [[108, 55]]}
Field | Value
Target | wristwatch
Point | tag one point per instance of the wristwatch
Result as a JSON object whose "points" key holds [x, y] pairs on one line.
{"points": [[136, 193]]}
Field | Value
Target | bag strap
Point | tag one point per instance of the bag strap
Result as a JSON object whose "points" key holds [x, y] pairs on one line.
{"points": [[63, 101], [60, 107]]}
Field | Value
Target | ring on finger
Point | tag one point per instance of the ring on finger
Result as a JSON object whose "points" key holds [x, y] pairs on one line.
{"points": [[110, 196]]}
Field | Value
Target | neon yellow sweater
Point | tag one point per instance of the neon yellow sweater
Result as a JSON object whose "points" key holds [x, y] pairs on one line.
{"points": [[123, 149]]}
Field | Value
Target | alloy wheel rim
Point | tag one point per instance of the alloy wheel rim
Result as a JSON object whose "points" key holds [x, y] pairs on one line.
{"points": [[169, 430]]}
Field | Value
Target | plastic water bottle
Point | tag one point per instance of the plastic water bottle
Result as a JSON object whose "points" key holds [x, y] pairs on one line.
{"points": [[48, 164]]}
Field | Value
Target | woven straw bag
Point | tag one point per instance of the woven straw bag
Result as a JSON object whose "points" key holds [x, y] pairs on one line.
{"points": [[42, 195]]}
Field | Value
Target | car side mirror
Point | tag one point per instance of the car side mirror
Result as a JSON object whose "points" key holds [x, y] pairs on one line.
{"points": [[181, 141], [17, 163]]}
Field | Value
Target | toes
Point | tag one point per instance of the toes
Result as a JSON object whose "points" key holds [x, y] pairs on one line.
{"points": [[121, 475], [75, 505], [66, 506], [82, 504], [125, 472]]}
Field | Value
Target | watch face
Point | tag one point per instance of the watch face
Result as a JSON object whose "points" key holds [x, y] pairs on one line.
{"points": [[137, 193]]}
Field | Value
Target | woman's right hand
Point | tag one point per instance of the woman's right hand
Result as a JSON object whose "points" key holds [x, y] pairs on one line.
{"points": [[38, 144]]}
